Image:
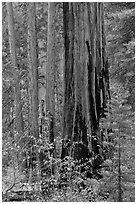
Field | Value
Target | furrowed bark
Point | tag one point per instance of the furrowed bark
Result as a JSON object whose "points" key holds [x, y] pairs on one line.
{"points": [[84, 80]]}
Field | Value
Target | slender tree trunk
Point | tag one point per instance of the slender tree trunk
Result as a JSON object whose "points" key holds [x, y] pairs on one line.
{"points": [[19, 125], [119, 172], [33, 65], [51, 75], [50, 69]]}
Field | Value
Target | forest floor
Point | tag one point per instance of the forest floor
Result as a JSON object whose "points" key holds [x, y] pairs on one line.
{"points": [[77, 187]]}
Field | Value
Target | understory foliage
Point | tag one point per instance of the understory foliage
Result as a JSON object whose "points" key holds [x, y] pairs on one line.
{"points": [[67, 183], [120, 29], [119, 182], [68, 179]]}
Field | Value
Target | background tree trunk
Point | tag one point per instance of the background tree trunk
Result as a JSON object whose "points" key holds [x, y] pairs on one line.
{"points": [[19, 125], [33, 65], [50, 69]]}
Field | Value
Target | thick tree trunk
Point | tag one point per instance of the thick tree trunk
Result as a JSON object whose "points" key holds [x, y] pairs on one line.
{"points": [[19, 125], [84, 95], [68, 107], [74, 114]]}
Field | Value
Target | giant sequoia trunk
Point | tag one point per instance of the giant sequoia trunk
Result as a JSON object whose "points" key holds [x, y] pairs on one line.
{"points": [[17, 93], [85, 81]]}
